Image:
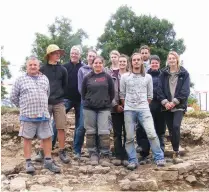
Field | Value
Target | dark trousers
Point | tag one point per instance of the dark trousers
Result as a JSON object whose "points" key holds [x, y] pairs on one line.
{"points": [[160, 127], [119, 135], [173, 121]]}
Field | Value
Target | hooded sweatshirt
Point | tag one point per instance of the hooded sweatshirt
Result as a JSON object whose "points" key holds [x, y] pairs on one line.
{"points": [[58, 80]]}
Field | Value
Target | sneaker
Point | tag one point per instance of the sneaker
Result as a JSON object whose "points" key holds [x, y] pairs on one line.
{"points": [[29, 167], [94, 159], [176, 158], [40, 156], [160, 163], [63, 156], [105, 160], [116, 162], [131, 166], [125, 163], [77, 156], [50, 164]]}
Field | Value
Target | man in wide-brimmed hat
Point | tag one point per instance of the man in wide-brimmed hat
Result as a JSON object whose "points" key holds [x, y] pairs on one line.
{"points": [[58, 80]]}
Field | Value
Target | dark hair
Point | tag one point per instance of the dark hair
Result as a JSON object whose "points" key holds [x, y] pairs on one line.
{"points": [[99, 57], [155, 57], [144, 47], [128, 61]]}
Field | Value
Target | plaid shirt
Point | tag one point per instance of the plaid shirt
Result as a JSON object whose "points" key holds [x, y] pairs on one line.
{"points": [[31, 94]]}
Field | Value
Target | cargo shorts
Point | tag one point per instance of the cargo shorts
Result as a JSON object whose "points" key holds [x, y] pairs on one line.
{"points": [[59, 115], [42, 129]]}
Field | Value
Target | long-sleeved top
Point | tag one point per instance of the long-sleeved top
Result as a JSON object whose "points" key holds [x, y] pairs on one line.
{"points": [[72, 92], [30, 94], [136, 89], [174, 88], [82, 72], [58, 80], [97, 91]]}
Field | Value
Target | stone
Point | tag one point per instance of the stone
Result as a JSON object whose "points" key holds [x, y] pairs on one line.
{"points": [[181, 177], [101, 170], [3, 177], [66, 189], [17, 184], [44, 180], [202, 165], [182, 167], [132, 176], [125, 184], [191, 179], [167, 175], [41, 188], [111, 178], [144, 185], [197, 132], [83, 169]]}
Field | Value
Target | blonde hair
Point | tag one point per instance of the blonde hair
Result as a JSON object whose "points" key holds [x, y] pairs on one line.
{"points": [[142, 65], [114, 52], [176, 55]]}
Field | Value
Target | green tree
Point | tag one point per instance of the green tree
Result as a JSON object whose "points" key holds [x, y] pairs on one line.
{"points": [[5, 73], [127, 32], [61, 34]]}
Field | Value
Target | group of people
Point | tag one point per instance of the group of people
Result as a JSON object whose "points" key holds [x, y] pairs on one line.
{"points": [[131, 95]]}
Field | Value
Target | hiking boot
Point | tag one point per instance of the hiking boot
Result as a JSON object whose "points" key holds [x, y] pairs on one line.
{"points": [[176, 158], [144, 160], [77, 157], [40, 156], [160, 163], [29, 167], [116, 162], [50, 164], [105, 160], [132, 166], [94, 159], [63, 156], [125, 163]]}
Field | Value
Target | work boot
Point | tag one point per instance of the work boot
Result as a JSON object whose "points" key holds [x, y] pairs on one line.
{"points": [[94, 159], [125, 163], [144, 160], [105, 160], [176, 158], [50, 164], [64, 156], [77, 156], [40, 156], [132, 166], [29, 167]]}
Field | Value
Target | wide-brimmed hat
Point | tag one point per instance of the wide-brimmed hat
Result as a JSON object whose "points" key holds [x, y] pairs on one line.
{"points": [[52, 48]]}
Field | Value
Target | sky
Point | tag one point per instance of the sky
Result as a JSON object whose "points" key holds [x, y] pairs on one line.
{"points": [[21, 19]]}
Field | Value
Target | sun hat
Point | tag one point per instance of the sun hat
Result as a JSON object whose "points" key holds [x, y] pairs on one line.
{"points": [[52, 48]]}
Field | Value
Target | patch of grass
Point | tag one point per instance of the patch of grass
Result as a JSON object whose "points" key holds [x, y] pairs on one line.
{"points": [[5, 110], [198, 114]]}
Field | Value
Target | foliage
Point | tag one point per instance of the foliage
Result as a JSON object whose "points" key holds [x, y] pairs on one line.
{"points": [[127, 32], [5, 73], [5, 110]]}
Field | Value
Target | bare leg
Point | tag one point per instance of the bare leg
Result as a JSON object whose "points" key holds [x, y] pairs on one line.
{"points": [[61, 138], [47, 146], [27, 148]]}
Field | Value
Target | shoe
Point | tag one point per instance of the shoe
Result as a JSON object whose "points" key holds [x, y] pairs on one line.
{"points": [[94, 159], [29, 167], [50, 164], [105, 160], [116, 162], [125, 163], [160, 163], [40, 156], [77, 156], [144, 160], [63, 156], [132, 166], [176, 158], [138, 149]]}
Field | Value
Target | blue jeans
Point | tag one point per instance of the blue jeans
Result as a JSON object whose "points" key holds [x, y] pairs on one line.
{"points": [[145, 119], [79, 131]]}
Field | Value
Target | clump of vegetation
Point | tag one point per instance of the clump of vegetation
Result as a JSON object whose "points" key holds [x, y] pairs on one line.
{"points": [[5, 110], [198, 114]]}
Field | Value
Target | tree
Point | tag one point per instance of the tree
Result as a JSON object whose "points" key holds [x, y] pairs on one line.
{"points": [[61, 34], [127, 32], [5, 73]]}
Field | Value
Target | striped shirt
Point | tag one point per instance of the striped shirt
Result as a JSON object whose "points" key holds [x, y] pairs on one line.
{"points": [[31, 96]]}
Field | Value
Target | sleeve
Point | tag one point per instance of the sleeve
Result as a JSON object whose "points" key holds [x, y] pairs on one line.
{"points": [[114, 103], [185, 90], [80, 80], [84, 88], [160, 93], [122, 87], [48, 90], [150, 88], [15, 93], [111, 88], [65, 79]]}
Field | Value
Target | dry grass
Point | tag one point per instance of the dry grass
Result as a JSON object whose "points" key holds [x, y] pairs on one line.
{"points": [[198, 114], [5, 110]]}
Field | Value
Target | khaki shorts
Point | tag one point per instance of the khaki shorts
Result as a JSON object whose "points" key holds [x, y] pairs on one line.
{"points": [[42, 129], [59, 115]]}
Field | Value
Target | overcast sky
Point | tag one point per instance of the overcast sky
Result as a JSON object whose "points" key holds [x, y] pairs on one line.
{"points": [[21, 19]]}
